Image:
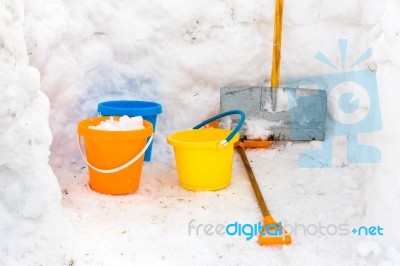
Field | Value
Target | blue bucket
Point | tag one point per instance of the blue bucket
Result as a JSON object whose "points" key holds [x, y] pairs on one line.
{"points": [[148, 110]]}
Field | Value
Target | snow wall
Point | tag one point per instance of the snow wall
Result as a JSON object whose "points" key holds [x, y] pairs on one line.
{"points": [[28, 187], [178, 53]]}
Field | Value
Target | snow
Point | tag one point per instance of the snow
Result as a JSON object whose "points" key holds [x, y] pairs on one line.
{"points": [[367, 248], [258, 128], [29, 193], [124, 123], [253, 128], [59, 59], [280, 101]]}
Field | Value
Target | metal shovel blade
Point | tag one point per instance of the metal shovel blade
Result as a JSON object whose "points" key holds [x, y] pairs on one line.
{"points": [[292, 113]]}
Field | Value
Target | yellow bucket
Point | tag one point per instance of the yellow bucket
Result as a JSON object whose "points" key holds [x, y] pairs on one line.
{"points": [[204, 156]]}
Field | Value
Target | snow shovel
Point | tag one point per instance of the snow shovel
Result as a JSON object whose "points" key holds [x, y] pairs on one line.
{"points": [[272, 233], [291, 113]]}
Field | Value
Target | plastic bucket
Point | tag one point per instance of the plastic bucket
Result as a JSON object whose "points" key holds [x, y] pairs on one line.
{"points": [[148, 110], [114, 158], [204, 156]]}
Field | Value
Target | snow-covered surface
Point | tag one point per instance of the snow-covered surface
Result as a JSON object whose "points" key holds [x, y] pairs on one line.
{"points": [[124, 123], [256, 128], [29, 193], [179, 53], [280, 102]]}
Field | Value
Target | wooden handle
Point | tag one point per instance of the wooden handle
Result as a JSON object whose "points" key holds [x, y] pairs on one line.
{"points": [[276, 53], [253, 181]]}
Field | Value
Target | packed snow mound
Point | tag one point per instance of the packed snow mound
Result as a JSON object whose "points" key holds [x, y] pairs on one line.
{"points": [[124, 123], [256, 128], [28, 187]]}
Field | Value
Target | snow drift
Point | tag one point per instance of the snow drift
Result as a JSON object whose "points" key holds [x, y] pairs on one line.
{"points": [[28, 187]]}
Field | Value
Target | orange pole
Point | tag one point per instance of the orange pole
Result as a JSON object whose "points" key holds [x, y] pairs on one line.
{"points": [[276, 53]]}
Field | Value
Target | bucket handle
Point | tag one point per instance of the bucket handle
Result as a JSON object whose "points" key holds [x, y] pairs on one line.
{"points": [[233, 133], [117, 169]]}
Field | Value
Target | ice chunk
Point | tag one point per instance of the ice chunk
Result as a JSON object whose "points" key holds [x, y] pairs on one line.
{"points": [[123, 124]]}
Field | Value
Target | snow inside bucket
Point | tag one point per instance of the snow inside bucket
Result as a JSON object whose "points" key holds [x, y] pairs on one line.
{"points": [[114, 157], [122, 124], [204, 157], [148, 110]]}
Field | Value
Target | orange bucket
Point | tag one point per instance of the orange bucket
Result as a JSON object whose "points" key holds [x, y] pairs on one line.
{"points": [[114, 158]]}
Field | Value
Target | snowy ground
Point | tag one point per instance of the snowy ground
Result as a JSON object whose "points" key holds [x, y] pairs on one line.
{"points": [[151, 226]]}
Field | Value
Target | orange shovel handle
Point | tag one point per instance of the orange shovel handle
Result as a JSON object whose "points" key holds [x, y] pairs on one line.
{"points": [[276, 52]]}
